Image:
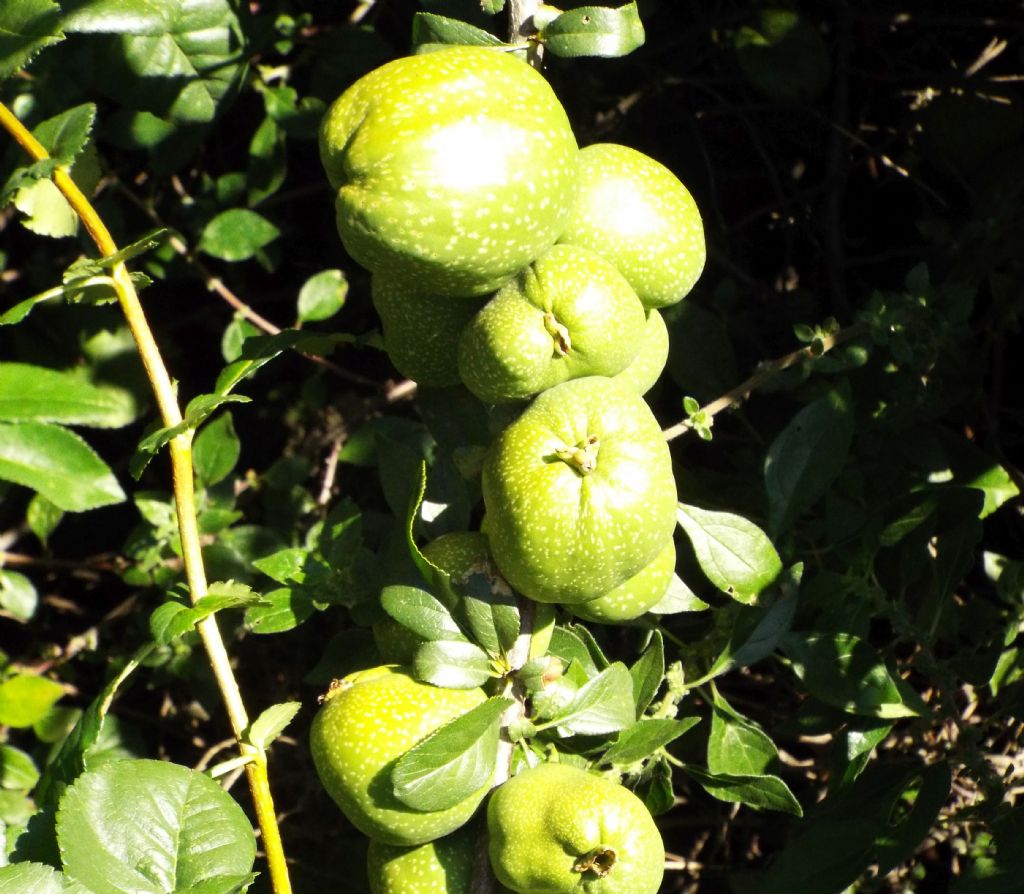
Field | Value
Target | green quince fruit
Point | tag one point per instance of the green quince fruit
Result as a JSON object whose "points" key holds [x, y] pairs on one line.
{"points": [[647, 366], [569, 314], [634, 212], [453, 169], [557, 829], [631, 599], [421, 329], [370, 719], [579, 492]]}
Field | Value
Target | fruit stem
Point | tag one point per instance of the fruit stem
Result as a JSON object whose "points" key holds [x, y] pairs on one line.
{"points": [[521, 28], [559, 334], [582, 456], [765, 373], [184, 495]]}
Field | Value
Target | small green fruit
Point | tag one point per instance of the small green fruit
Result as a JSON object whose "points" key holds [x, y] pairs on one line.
{"points": [[557, 829], [649, 363], [369, 720], [634, 212], [570, 314], [422, 329], [579, 492], [453, 169], [631, 599]]}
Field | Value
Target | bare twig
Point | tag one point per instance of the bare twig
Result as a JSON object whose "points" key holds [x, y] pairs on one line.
{"points": [[741, 392]]}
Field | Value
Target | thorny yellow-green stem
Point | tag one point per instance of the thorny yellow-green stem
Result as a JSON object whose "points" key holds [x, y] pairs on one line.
{"points": [[184, 498]]}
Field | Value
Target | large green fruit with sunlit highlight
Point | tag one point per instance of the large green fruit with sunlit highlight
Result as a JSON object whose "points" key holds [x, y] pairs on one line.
{"points": [[579, 492], [634, 212], [367, 721], [453, 169], [557, 829]]}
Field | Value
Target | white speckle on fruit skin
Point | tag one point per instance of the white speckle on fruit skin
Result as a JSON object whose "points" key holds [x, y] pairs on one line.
{"points": [[557, 536], [544, 820], [635, 212], [506, 353], [362, 729], [465, 134]]}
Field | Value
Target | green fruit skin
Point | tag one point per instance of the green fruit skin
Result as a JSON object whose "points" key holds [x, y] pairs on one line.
{"points": [[453, 169], [634, 212], [459, 552], [421, 329], [543, 821], [631, 599], [647, 367], [444, 866], [569, 297], [366, 723], [561, 536]]}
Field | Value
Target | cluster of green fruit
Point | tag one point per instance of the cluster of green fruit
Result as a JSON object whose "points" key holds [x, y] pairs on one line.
{"points": [[508, 260]]}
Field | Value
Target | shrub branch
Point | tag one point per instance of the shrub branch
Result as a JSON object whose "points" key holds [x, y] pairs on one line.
{"points": [[765, 373], [184, 497]]}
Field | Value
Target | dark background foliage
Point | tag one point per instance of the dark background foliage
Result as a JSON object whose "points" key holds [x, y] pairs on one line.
{"points": [[868, 166]]}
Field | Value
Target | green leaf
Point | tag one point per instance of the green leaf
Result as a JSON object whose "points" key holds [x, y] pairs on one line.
{"points": [[452, 763], [30, 393], [768, 633], [734, 553], [421, 613], [648, 673], [322, 296], [140, 246], [25, 699], [72, 759], [118, 16], [26, 27], [456, 665], [18, 596], [567, 645], [430, 29], [490, 611], [806, 457], [268, 162], [17, 769], [259, 350], [271, 723], [216, 450], [842, 670], [784, 57], [58, 464], [36, 878], [173, 620], [855, 745], [46, 211], [595, 31], [152, 827], [492, 7], [646, 738], [736, 747], [603, 705], [279, 610], [902, 835], [182, 63], [237, 234], [43, 517], [66, 134], [759, 792], [678, 598]]}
